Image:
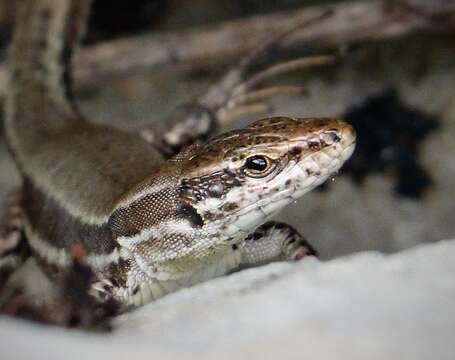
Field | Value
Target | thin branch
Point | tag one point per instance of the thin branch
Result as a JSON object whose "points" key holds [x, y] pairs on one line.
{"points": [[225, 116], [221, 92], [282, 68], [265, 93]]}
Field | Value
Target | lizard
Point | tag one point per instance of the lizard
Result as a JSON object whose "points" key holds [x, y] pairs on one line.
{"points": [[150, 221]]}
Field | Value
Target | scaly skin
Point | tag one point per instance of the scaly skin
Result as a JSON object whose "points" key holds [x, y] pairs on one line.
{"points": [[149, 225]]}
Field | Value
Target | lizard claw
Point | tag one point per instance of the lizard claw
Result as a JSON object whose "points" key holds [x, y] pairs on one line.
{"points": [[11, 235], [101, 289]]}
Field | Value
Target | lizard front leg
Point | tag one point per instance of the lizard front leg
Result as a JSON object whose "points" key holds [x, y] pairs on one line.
{"points": [[274, 241], [187, 124]]}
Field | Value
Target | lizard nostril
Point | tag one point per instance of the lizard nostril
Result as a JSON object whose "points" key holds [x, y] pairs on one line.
{"points": [[330, 137], [335, 137]]}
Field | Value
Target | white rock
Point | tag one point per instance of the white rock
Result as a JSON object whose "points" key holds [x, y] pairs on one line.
{"points": [[366, 306]]}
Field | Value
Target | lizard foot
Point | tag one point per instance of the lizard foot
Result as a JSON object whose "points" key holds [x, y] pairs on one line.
{"points": [[275, 241], [12, 251]]}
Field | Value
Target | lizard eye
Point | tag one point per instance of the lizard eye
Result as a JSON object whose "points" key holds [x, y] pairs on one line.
{"points": [[257, 165]]}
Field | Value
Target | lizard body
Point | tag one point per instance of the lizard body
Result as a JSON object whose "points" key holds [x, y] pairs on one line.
{"points": [[149, 225]]}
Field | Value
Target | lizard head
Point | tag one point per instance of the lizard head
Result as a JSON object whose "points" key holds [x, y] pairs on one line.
{"points": [[241, 177], [221, 191]]}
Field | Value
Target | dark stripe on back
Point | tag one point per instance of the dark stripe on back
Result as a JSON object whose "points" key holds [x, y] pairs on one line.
{"points": [[60, 229]]}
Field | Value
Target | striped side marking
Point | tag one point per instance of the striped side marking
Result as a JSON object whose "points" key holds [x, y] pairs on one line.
{"points": [[61, 257], [156, 232]]}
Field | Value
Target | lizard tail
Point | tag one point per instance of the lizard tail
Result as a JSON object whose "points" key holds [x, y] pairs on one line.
{"points": [[39, 97]]}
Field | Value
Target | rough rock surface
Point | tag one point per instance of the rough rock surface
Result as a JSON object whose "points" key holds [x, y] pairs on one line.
{"points": [[366, 306]]}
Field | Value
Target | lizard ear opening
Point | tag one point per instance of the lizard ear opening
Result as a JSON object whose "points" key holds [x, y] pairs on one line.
{"points": [[189, 213]]}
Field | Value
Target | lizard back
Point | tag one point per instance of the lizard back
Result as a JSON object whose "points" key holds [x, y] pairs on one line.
{"points": [[56, 149]]}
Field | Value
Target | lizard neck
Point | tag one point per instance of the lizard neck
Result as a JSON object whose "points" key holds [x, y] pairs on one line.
{"points": [[155, 210]]}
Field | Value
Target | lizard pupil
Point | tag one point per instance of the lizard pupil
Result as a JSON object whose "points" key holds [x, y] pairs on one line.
{"points": [[257, 163]]}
